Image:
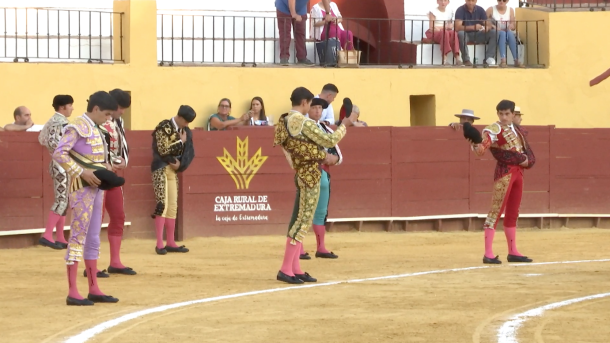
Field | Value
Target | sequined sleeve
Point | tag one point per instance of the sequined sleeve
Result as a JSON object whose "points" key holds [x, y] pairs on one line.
{"points": [[165, 147], [61, 154], [327, 140], [55, 134], [484, 145]]}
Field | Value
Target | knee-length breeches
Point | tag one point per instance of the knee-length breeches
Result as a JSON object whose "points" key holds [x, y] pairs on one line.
{"points": [[60, 188], [165, 183], [506, 199], [304, 208], [86, 224], [321, 213]]}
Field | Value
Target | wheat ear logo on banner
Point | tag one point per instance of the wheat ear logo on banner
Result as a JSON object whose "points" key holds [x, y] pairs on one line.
{"points": [[242, 169]]}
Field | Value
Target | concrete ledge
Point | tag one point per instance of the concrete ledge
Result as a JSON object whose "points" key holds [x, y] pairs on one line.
{"points": [[34, 231]]}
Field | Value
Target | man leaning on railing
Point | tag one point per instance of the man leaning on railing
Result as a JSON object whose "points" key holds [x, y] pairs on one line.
{"points": [[472, 25]]}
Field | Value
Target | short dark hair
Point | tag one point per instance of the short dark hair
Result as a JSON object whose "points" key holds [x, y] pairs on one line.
{"points": [[329, 87], [17, 112], [62, 100], [187, 112], [103, 100], [300, 94], [121, 97], [506, 105]]}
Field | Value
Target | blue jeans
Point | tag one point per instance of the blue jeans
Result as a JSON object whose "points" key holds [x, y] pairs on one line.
{"points": [[503, 37]]}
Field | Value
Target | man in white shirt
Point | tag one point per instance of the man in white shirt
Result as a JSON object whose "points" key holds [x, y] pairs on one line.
{"points": [[23, 121], [329, 93]]}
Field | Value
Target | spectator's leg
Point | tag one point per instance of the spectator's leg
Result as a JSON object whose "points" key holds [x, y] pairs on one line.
{"points": [[455, 43], [348, 38], [512, 44], [502, 47], [299, 38], [492, 41], [284, 24], [463, 41]]}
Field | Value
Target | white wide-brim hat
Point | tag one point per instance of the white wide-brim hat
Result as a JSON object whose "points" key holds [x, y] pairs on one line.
{"points": [[518, 110], [467, 113]]}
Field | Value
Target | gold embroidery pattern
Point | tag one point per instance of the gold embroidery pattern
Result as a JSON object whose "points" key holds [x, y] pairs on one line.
{"points": [[497, 199], [158, 177], [81, 212], [308, 201], [513, 141], [168, 139]]}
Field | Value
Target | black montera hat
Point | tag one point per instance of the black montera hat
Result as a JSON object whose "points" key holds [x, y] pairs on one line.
{"points": [[471, 133], [319, 102], [108, 179]]}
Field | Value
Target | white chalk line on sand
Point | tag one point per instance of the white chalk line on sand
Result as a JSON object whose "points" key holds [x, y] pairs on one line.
{"points": [[92, 332], [508, 331]]}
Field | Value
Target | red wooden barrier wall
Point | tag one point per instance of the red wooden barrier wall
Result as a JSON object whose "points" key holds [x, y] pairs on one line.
{"points": [[387, 172]]}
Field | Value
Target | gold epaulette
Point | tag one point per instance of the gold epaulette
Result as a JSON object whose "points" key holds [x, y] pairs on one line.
{"points": [[295, 123], [82, 126], [494, 128]]}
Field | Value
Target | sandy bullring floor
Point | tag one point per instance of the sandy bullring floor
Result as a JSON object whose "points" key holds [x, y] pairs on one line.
{"points": [[446, 306]]}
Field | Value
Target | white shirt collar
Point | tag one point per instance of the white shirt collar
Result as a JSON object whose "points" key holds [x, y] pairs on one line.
{"points": [[89, 120], [175, 125]]}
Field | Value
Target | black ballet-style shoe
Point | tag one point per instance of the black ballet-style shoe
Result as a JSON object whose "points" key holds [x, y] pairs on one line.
{"points": [[102, 298], [326, 255], [182, 249], [125, 271], [306, 277], [47, 243], [494, 260], [78, 302], [161, 251], [100, 274], [288, 279], [62, 245], [521, 259], [304, 256]]}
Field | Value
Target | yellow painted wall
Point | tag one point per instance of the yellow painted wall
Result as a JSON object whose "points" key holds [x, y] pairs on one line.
{"points": [[572, 45]]}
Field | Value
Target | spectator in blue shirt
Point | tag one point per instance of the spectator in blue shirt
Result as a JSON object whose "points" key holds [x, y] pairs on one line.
{"points": [[293, 14], [472, 26]]}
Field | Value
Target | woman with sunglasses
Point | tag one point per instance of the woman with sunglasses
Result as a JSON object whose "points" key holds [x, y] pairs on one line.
{"points": [[222, 119], [504, 17]]}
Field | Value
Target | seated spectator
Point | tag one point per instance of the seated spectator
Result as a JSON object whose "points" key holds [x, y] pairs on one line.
{"points": [[319, 25], [23, 121], [442, 31], [465, 116], [221, 120], [257, 113], [472, 26], [504, 18], [356, 113]]}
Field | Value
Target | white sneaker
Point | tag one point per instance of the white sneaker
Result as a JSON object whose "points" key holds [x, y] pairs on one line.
{"points": [[490, 61]]}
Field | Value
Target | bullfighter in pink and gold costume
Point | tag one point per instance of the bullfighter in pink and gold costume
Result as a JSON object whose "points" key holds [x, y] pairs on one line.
{"points": [[82, 153], [508, 144]]}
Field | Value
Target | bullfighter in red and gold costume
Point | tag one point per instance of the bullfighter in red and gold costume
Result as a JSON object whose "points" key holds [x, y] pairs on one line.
{"points": [[508, 144]]}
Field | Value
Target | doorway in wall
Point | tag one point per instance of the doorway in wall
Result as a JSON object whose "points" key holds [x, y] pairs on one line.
{"points": [[423, 110]]}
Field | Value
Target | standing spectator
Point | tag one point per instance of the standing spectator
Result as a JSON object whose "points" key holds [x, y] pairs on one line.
{"points": [[467, 116], [329, 93], [23, 121], [292, 14], [223, 119], [442, 31], [472, 26], [504, 18], [318, 25]]}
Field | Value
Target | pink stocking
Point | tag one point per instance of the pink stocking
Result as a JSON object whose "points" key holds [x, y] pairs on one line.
{"points": [[289, 255], [72, 289], [159, 223], [511, 240], [489, 240], [320, 231], [296, 261], [170, 229], [59, 230], [91, 266], [51, 222]]}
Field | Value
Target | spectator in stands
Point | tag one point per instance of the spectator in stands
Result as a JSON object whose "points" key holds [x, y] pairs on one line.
{"points": [[221, 120], [329, 93], [356, 113], [292, 14], [504, 20], [472, 26], [257, 113], [23, 121], [442, 31], [318, 26], [465, 116]]}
